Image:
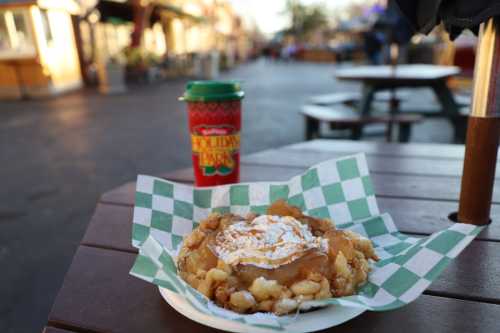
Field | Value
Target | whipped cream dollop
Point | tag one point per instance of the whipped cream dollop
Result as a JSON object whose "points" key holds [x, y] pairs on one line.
{"points": [[268, 241]]}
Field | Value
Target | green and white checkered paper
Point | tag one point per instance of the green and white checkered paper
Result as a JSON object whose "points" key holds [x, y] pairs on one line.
{"points": [[338, 189]]}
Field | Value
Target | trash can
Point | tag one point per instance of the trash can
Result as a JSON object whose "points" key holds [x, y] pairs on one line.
{"points": [[211, 65], [197, 65], [111, 78]]}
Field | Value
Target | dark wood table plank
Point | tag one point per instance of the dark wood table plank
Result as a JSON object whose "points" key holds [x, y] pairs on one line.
{"points": [[99, 295], [473, 275], [426, 216], [386, 185], [459, 279], [422, 187], [427, 314], [55, 330], [122, 195], [428, 166], [439, 151], [110, 228]]}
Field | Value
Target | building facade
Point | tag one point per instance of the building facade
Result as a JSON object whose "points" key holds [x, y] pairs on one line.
{"points": [[51, 46], [37, 48]]}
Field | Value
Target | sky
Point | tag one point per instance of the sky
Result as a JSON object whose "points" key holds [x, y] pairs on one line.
{"points": [[266, 13]]}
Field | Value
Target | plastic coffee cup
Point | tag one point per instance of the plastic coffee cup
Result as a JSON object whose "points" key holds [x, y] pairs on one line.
{"points": [[214, 111]]}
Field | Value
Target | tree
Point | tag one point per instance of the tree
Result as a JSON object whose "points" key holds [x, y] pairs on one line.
{"points": [[305, 20]]}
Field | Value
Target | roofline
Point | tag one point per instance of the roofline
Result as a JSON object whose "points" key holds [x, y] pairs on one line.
{"points": [[40, 3], [18, 4]]}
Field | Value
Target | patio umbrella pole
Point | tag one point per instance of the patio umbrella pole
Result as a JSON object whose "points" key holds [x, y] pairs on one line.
{"points": [[483, 131]]}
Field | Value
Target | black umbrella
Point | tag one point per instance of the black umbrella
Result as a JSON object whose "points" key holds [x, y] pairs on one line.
{"points": [[483, 131], [456, 15]]}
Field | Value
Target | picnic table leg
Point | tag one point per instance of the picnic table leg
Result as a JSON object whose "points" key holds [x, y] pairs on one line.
{"points": [[356, 132], [449, 108], [393, 110], [365, 105], [311, 128], [404, 132]]}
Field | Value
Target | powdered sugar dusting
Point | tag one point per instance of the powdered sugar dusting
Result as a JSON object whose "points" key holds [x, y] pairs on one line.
{"points": [[268, 241]]}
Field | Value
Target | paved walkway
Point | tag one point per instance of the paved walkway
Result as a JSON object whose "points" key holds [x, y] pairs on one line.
{"points": [[59, 155]]}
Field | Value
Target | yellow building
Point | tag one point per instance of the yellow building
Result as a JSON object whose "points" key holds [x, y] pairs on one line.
{"points": [[219, 30], [51, 46], [38, 55], [189, 32], [173, 28], [170, 28]]}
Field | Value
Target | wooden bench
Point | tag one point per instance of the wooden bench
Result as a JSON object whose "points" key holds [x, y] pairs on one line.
{"points": [[348, 98], [345, 118], [351, 98]]}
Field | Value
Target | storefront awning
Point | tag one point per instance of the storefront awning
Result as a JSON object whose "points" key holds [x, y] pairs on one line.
{"points": [[115, 12], [16, 2], [180, 13], [70, 6], [119, 12]]}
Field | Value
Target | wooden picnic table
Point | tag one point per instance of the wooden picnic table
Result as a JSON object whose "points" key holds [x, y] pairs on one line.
{"points": [[376, 78], [418, 184]]}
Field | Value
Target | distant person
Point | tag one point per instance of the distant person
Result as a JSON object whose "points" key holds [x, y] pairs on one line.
{"points": [[374, 37], [397, 30], [288, 52], [373, 44]]}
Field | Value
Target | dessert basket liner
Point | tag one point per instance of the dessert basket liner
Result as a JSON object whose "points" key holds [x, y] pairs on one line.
{"points": [[339, 189]]}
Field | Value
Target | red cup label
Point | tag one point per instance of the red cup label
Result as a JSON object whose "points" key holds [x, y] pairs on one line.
{"points": [[215, 147], [215, 140]]}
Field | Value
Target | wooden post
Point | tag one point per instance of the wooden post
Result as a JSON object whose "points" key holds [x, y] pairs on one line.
{"points": [[483, 132], [75, 20], [141, 13]]}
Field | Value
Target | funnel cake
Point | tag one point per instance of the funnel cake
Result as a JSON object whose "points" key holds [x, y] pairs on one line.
{"points": [[273, 262]]}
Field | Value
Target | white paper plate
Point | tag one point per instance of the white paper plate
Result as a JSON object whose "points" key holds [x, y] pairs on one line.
{"points": [[307, 322]]}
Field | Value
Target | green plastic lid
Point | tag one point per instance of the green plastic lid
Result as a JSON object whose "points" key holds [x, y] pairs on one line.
{"points": [[210, 91]]}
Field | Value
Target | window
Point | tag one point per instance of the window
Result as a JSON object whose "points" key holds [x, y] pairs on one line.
{"points": [[15, 34], [47, 32], [87, 41], [4, 35]]}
